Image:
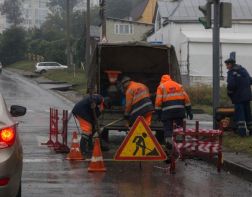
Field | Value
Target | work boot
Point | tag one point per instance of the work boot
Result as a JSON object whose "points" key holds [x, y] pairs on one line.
{"points": [[241, 127], [242, 132], [85, 144], [249, 127], [168, 149]]}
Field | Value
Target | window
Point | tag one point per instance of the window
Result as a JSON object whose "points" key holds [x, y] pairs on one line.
{"points": [[123, 29]]}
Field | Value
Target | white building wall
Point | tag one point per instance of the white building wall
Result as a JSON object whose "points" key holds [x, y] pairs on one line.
{"points": [[34, 13], [199, 58]]}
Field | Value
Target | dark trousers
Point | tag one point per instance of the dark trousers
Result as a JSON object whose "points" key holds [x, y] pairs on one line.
{"points": [[169, 126], [243, 117]]}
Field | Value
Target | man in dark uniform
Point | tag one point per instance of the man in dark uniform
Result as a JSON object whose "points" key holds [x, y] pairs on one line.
{"points": [[239, 91], [85, 111]]}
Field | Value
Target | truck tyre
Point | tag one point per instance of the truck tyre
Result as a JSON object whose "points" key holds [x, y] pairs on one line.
{"points": [[19, 190], [105, 135], [160, 136]]}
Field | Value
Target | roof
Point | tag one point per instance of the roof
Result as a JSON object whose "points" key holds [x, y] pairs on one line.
{"points": [[136, 43], [188, 9], [137, 12]]}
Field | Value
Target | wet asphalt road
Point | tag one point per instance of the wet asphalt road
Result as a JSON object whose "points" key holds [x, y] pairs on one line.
{"points": [[48, 174]]}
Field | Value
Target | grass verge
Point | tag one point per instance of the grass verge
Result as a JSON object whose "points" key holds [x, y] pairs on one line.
{"points": [[77, 78], [23, 65], [236, 143]]}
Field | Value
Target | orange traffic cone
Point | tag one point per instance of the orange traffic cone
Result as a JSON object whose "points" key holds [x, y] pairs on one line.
{"points": [[75, 153], [96, 164]]}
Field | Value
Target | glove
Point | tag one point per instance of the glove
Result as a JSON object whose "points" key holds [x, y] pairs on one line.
{"points": [[189, 115]]}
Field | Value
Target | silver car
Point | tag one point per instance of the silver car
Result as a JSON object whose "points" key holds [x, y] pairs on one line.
{"points": [[11, 153], [42, 67]]}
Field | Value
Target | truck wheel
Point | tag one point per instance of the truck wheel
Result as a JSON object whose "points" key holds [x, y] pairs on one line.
{"points": [[105, 135], [19, 191], [160, 136]]}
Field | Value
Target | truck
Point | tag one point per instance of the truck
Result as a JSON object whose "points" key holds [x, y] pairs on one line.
{"points": [[141, 61]]}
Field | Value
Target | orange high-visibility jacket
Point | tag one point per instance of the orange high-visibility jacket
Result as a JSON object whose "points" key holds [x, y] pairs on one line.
{"points": [[171, 99], [138, 100]]}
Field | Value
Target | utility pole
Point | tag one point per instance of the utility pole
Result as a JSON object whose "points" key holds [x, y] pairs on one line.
{"points": [[103, 17], [68, 32], [222, 18], [87, 36], [216, 59]]}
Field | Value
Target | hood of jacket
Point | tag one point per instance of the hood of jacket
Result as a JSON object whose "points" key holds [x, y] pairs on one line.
{"points": [[165, 78]]}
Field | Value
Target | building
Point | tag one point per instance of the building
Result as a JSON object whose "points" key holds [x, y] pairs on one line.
{"points": [[36, 11], [144, 12], [176, 23], [120, 30]]}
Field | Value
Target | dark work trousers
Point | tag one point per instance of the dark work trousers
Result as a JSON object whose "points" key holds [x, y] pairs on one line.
{"points": [[168, 126], [243, 117], [86, 144]]}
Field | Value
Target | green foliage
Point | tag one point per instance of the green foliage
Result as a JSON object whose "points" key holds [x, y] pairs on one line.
{"points": [[236, 143], [55, 51], [12, 10], [13, 45], [202, 95], [23, 65], [60, 5], [79, 79]]}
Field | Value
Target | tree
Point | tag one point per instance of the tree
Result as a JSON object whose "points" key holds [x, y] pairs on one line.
{"points": [[12, 10], [13, 45]]}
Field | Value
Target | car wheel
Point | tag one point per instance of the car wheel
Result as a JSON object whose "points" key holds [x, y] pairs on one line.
{"points": [[19, 191], [42, 71]]}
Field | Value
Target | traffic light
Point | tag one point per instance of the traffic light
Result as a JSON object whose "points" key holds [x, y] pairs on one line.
{"points": [[207, 12], [226, 14], [102, 3]]}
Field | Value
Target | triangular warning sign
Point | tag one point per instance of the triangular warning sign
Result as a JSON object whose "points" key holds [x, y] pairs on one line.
{"points": [[140, 144]]}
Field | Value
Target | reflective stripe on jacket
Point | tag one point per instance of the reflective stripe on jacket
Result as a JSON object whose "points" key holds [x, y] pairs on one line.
{"points": [[85, 126], [171, 99], [137, 100]]}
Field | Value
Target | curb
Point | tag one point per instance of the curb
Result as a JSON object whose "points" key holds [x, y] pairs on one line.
{"points": [[238, 170], [233, 168]]}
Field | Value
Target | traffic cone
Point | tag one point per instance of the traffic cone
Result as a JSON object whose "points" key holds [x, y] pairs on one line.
{"points": [[96, 164], [75, 153]]}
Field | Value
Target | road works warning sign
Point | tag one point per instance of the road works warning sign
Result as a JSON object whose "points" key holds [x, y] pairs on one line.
{"points": [[140, 144]]}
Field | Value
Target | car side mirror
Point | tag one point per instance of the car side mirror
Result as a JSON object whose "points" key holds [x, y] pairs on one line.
{"points": [[16, 110]]}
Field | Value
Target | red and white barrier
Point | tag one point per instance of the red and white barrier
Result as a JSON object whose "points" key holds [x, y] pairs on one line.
{"points": [[54, 132], [196, 142]]}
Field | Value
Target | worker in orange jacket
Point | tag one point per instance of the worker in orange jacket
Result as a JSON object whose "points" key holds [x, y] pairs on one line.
{"points": [[138, 102], [171, 104]]}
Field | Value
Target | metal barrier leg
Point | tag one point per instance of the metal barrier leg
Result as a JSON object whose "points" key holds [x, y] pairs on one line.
{"points": [[50, 142]]}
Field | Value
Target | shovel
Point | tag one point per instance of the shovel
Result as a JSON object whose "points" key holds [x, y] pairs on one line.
{"points": [[109, 124]]}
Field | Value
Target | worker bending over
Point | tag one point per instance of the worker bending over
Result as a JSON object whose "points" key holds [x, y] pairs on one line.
{"points": [[85, 111], [171, 104], [138, 102]]}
